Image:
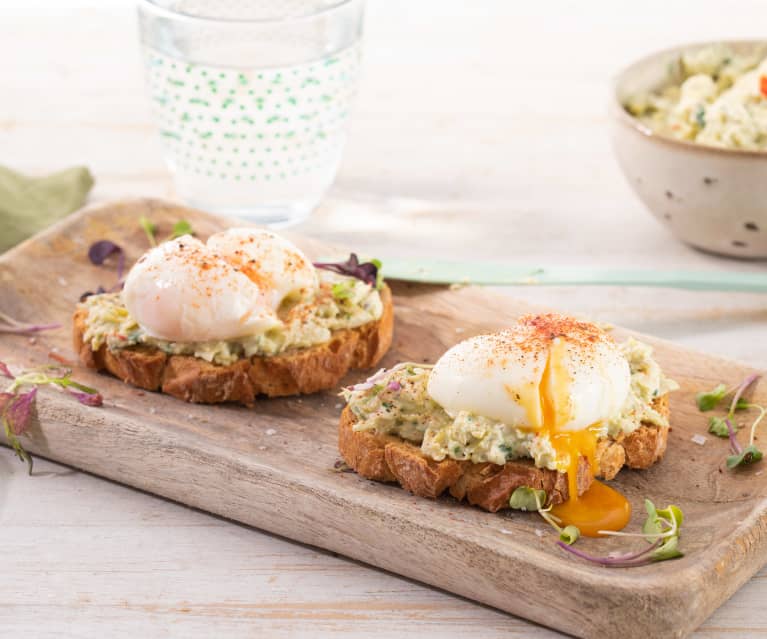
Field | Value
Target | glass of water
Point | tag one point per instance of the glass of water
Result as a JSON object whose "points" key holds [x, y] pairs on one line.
{"points": [[252, 99]]}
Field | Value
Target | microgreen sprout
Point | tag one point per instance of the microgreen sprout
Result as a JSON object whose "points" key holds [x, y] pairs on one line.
{"points": [[379, 272], [9, 325], [18, 400], [718, 426], [709, 400], [180, 228], [368, 272], [725, 427], [661, 530], [748, 455], [529, 499], [149, 228]]}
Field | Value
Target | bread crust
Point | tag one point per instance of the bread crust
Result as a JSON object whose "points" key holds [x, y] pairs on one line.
{"points": [[639, 450], [294, 372], [387, 458]]}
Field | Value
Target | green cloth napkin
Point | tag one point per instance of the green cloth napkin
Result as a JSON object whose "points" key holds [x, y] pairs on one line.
{"points": [[29, 204]]}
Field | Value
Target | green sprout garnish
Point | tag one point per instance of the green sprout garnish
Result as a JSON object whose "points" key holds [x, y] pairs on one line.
{"points": [[717, 426], [725, 426], [709, 401], [569, 534], [149, 228], [661, 530], [182, 227], [379, 273], [529, 499], [748, 455], [665, 524]]}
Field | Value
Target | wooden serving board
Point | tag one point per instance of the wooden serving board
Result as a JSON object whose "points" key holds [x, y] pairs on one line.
{"points": [[271, 466]]}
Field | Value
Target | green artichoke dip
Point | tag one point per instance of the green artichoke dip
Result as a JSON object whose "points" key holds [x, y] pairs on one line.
{"points": [[717, 97]]}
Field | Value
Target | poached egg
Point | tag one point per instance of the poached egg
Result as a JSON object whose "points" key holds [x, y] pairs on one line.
{"points": [[231, 287], [270, 261], [557, 377]]}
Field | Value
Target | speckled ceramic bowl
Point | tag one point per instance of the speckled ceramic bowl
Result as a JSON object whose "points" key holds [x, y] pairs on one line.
{"points": [[714, 199]]}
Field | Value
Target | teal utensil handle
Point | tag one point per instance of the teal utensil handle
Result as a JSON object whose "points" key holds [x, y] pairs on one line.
{"points": [[495, 274]]}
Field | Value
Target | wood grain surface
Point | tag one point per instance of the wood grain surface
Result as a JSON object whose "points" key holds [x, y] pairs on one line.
{"points": [[271, 466]]}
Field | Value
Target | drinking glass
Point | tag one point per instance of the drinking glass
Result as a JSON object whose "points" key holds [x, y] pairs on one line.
{"points": [[252, 99]]}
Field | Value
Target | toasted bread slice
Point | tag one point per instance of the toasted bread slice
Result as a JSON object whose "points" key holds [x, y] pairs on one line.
{"points": [[294, 372], [388, 458]]}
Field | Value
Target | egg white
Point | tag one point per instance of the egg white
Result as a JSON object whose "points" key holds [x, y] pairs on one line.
{"points": [[511, 375], [276, 265], [182, 291]]}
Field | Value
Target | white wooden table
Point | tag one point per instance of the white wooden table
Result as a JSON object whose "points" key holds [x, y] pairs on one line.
{"points": [[479, 132]]}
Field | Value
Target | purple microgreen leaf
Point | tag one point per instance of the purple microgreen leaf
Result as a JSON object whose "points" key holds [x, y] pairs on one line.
{"points": [[88, 399], [16, 407], [87, 294], [18, 412], [5, 371], [366, 271], [101, 250], [98, 253]]}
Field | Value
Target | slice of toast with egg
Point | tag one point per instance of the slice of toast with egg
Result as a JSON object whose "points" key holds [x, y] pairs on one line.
{"points": [[389, 459], [552, 404], [246, 314]]}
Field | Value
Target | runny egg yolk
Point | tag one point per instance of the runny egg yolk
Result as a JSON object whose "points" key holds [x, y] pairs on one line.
{"points": [[600, 507]]}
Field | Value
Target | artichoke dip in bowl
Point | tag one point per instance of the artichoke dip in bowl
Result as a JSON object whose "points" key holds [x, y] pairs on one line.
{"points": [[689, 129]]}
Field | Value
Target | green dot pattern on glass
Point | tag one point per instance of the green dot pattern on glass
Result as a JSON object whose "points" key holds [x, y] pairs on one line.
{"points": [[253, 124]]}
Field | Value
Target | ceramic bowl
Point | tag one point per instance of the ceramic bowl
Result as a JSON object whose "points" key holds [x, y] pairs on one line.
{"points": [[711, 198]]}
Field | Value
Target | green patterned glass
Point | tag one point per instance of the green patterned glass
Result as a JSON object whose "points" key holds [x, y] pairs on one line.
{"points": [[252, 99]]}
